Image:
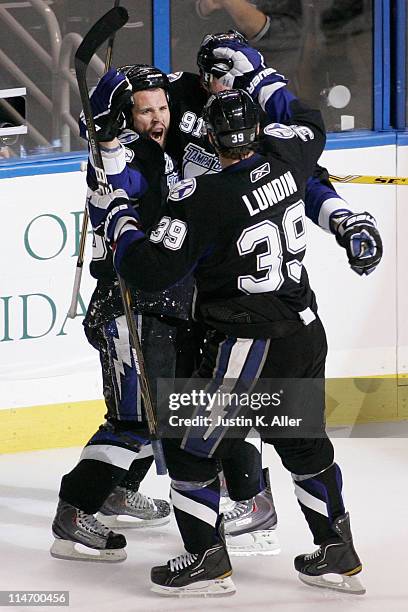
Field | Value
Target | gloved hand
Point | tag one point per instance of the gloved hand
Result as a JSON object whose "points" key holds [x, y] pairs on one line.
{"points": [[109, 101], [110, 212], [242, 63], [241, 66], [357, 233]]}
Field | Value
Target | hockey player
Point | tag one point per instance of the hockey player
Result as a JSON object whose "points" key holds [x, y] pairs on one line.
{"points": [[246, 249], [100, 481], [226, 60]]}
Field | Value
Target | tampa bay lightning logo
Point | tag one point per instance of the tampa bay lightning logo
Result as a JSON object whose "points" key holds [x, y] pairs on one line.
{"points": [[174, 76], [128, 136], [129, 155], [183, 189], [279, 130]]}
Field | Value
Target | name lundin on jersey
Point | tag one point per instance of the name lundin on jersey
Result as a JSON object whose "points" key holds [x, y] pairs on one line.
{"points": [[271, 193]]}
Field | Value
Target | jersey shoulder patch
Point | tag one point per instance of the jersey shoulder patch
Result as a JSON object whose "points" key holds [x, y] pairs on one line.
{"points": [[174, 76], [129, 155], [183, 189], [128, 136], [279, 130]]}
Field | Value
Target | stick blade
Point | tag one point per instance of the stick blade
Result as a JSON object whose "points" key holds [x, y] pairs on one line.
{"points": [[100, 32]]}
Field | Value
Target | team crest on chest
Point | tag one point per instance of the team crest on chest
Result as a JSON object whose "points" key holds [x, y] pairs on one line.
{"points": [[183, 189]]}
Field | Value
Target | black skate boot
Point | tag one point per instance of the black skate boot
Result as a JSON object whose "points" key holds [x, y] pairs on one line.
{"points": [[125, 508], [335, 563], [250, 526], [205, 574], [73, 527]]}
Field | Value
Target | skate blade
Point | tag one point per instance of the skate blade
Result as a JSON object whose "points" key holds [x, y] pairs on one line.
{"points": [[73, 551], [219, 587], [124, 521], [255, 543], [336, 582]]}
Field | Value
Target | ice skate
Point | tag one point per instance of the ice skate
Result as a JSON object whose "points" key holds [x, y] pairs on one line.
{"points": [[207, 574], [125, 509], [335, 563], [80, 536], [250, 526]]}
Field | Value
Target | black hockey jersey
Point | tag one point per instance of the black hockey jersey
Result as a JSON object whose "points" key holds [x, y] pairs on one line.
{"points": [[148, 172], [242, 233], [186, 142]]}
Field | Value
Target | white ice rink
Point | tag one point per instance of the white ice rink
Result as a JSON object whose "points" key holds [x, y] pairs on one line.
{"points": [[375, 475]]}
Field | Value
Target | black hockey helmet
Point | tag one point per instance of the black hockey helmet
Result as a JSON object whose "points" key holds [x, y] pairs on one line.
{"points": [[232, 118], [207, 63], [143, 76]]}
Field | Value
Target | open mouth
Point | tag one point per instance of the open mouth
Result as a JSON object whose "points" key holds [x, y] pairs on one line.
{"points": [[157, 134]]}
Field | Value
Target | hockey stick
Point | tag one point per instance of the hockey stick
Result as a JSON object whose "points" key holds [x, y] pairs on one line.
{"points": [[112, 21], [85, 219], [361, 179]]}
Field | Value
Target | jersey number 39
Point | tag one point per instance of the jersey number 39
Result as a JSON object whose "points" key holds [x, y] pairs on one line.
{"points": [[271, 260]]}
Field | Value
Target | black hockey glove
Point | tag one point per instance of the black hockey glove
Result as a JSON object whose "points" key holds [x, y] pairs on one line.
{"points": [[109, 101], [357, 233]]}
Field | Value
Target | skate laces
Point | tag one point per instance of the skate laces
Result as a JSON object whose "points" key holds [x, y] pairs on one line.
{"points": [[239, 510], [182, 561], [313, 555], [138, 500], [91, 524]]}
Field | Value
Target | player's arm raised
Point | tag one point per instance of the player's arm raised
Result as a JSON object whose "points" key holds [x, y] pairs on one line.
{"points": [[111, 101]]}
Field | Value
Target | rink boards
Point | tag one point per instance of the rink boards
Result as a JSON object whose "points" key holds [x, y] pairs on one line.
{"points": [[49, 375]]}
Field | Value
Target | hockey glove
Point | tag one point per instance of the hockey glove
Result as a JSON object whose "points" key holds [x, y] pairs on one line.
{"points": [[241, 62], [357, 233], [110, 213], [248, 68], [109, 101]]}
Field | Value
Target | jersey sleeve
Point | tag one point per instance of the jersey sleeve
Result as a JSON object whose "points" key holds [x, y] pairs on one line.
{"points": [[120, 172], [172, 250], [322, 200], [268, 88], [302, 142]]}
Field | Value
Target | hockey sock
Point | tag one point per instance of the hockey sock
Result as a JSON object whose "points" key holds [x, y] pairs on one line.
{"points": [[90, 482], [321, 501], [196, 509]]}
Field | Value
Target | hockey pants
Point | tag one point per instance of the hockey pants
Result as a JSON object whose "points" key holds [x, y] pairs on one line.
{"points": [[192, 461]]}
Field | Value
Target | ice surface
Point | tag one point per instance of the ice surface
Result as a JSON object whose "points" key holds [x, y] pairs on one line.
{"points": [[375, 475]]}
